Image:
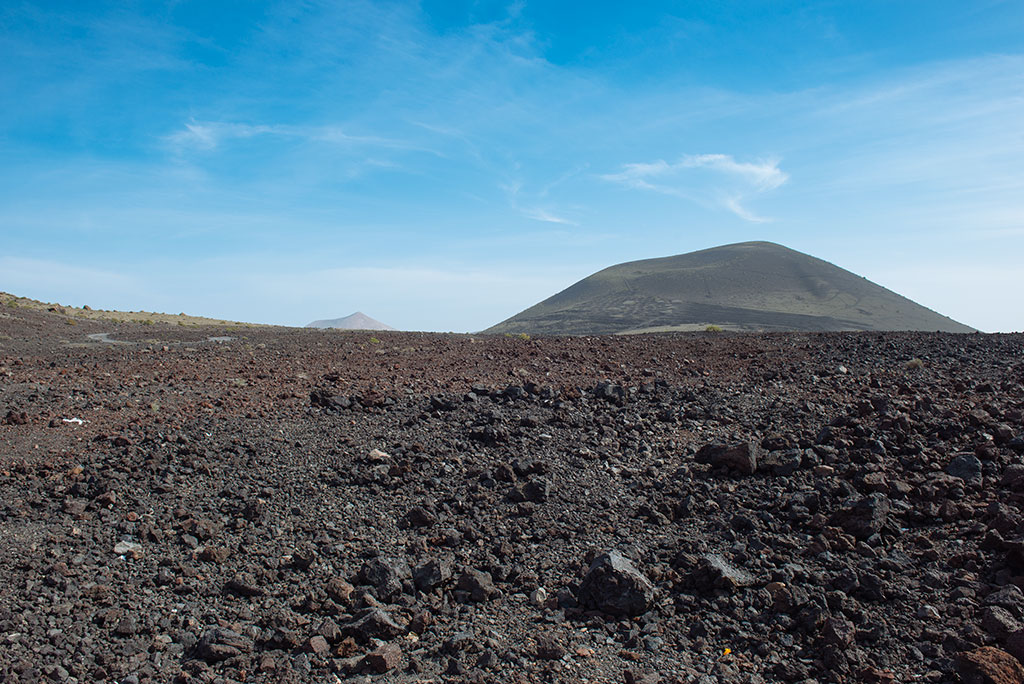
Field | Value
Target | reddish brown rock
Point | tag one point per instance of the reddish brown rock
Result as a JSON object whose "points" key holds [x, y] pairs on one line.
{"points": [[988, 665], [385, 658]]}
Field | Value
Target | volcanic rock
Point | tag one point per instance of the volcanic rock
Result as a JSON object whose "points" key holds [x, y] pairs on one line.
{"points": [[385, 658], [714, 572], [613, 585], [864, 517], [432, 574], [386, 575], [477, 584], [218, 644], [966, 467], [740, 457], [374, 624], [988, 665]]}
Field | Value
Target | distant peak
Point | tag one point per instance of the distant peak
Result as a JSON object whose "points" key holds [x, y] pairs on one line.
{"points": [[355, 321]]}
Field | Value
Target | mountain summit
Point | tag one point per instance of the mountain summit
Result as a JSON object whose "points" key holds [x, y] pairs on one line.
{"points": [[750, 286], [356, 321]]}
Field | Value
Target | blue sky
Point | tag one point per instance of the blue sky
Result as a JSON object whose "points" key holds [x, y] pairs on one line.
{"points": [[442, 165]]}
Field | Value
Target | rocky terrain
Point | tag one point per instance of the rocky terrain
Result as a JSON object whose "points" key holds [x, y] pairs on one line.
{"points": [[286, 505]]}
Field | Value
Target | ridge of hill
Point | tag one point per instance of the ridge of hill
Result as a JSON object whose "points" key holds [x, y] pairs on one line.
{"points": [[86, 312], [747, 286]]}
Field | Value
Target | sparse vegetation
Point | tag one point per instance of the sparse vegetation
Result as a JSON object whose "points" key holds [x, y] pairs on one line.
{"points": [[374, 340], [914, 364], [520, 336], [713, 329]]}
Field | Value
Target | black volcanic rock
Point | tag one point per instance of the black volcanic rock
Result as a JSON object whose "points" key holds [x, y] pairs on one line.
{"points": [[614, 585]]}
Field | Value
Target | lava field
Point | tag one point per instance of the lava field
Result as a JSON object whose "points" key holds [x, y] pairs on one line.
{"points": [[193, 504]]}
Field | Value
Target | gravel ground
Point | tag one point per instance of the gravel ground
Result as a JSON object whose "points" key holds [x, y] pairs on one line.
{"points": [[289, 505]]}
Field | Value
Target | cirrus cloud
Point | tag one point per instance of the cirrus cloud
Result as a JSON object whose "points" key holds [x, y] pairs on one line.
{"points": [[710, 179]]}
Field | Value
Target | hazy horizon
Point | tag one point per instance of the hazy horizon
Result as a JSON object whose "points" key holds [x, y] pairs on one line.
{"points": [[444, 165]]}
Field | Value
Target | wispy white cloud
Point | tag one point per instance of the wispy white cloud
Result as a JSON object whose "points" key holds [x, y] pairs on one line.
{"points": [[208, 135], [764, 175], [539, 214], [514, 191], [725, 182]]}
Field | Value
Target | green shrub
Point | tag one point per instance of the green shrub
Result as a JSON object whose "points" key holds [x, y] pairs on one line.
{"points": [[915, 364], [374, 340], [713, 328]]}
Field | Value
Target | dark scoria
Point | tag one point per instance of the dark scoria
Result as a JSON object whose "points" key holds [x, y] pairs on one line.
{"points": [[303, 506]]}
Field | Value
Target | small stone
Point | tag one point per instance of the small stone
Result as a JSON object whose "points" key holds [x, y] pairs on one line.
{"points": [[126, 626], [214, 554], [864, 517], [488, 660], [339, 590], [640, 677], [782, 597], [243, 584], [378, 455], [304, 557], [386, 575], [375, 623], [218, 644], [839, 632], [127, 548], [329, 630], [479, 584], [537, 490], [431, 574], [714, 572], [418, 516], [872, 675], [927, 612], [781, 463], [318, 645], [385, 658], [549, 647], [539, 596], [421, 621]]}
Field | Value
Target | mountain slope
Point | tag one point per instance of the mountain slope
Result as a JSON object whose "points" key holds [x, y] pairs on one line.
{"points": [[744, 286], [356, 321]]}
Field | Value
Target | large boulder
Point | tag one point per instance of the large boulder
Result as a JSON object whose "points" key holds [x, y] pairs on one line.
{"points": [[989, 665], [740, 457], [614, 585]]}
